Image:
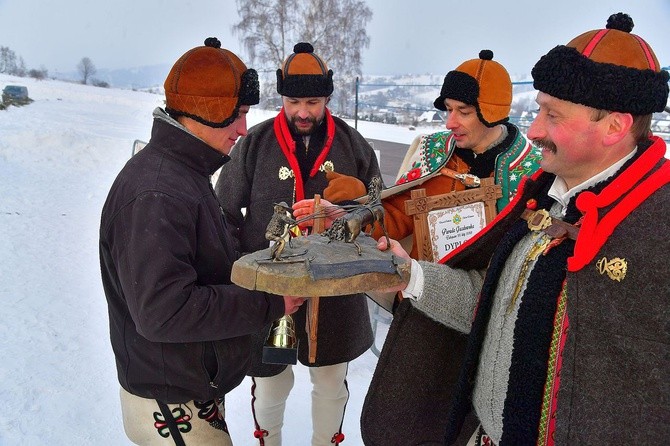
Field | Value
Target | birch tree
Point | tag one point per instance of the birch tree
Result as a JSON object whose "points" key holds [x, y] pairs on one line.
{"points": [[268, 30]]}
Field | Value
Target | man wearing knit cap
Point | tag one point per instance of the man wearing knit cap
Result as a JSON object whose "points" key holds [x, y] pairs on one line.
{"points": [[569, 330], [479, 142], [285, 159], [180, 330]]}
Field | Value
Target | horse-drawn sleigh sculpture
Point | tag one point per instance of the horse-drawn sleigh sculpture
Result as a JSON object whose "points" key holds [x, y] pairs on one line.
{"points": [[342, 259]]}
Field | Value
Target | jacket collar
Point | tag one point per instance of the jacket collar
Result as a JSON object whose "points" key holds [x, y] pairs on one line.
{"points": [[640, 177], [175, 141]]}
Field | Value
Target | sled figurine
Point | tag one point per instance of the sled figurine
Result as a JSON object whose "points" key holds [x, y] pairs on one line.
{"points": [[343, 229], [277, 230]]}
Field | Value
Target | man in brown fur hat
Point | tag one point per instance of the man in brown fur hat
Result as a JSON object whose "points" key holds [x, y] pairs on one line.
{"points": [[179, 328]]}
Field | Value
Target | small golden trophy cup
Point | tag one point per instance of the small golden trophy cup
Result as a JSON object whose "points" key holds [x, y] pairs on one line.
{"points": [[281, 346]]}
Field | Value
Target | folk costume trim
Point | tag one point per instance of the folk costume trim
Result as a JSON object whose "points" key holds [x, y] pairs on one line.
{"points": [[287, 145], [424, 160], [594, 232], [550, 402], [533, 336], [434, 151], [512, 166]]}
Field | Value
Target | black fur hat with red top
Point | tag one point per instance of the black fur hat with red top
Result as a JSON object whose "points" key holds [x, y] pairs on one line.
{"points": [[608, 69]]}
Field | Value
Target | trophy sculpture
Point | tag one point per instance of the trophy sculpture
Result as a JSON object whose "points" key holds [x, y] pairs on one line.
{"points": [[319, 264]]}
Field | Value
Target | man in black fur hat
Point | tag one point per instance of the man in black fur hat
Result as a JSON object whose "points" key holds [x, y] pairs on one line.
{"points": [[569, 330]]}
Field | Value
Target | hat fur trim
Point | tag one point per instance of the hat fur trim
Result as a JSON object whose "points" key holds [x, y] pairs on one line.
{"points": [[568, 75], [305, 85]]}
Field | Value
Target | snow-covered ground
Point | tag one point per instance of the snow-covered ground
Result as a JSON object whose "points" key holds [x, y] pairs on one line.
{"points": [[58, 158]]}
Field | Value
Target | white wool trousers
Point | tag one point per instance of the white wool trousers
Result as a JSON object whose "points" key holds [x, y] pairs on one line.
{"points": [[329, 399], [198, 424]]}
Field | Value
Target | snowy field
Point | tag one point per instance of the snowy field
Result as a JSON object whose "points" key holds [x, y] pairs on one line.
{"points": [[58, 158]]}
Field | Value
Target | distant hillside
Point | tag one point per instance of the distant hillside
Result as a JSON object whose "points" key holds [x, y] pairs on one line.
{"points": [[139, 78], [144, 78], [402, 99]]}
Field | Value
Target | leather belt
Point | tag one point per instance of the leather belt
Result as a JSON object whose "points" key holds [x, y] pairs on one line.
{"points": [[540, 220]]}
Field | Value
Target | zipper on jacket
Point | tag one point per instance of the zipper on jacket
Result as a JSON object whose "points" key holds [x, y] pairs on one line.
{"points": [[211, 363]]}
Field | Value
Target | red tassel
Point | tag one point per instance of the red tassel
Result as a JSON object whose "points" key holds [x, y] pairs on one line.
{"points": [[260, 433], [337, 438]]}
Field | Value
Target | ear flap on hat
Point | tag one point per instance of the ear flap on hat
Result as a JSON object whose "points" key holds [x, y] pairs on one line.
{"points": [[249, 88]]}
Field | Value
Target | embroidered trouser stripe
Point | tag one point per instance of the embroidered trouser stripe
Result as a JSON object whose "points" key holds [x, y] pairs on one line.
{"points": [[330, 394], [145, 422], [172, 424], [268, 403]]}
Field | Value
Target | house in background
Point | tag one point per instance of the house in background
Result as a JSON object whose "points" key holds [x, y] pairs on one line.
{"points": [[430, 117]]}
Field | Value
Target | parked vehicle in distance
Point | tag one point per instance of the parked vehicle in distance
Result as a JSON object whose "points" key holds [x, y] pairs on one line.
{"points": [[15, 95]]}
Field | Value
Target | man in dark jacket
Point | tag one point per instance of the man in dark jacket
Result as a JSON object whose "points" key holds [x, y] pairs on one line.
{"points": [[179, 329], [569, 330], [285, 159]]}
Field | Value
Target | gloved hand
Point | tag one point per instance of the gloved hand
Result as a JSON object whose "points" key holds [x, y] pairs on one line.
{"points": [[343, 187], [304, 208]]}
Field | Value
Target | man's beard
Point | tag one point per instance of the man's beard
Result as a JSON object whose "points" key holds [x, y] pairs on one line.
{"points": [[298, 131], [545, 144]]}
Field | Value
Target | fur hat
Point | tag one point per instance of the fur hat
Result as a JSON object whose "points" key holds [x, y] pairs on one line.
{"points": [[209, 84], [483, 83], [304, 74], [608, 69]]}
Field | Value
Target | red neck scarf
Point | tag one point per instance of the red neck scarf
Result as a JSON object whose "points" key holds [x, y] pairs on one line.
{"points": [[287, 144]]}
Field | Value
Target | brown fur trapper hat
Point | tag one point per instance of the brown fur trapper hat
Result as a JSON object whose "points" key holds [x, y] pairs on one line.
{"points": [[304, 74], [483, 83], [607, 69], [209, 84]]}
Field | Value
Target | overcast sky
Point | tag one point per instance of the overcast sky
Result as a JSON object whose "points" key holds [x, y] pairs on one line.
{"points": [[420, 36]]}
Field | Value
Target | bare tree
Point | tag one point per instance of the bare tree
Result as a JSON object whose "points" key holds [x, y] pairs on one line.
{"points": [[86, 69], [40, 74], [269, 29], [7, 60], [21, 69]]}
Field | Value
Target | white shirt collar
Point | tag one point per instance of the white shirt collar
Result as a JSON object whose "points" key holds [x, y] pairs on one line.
{"points": [[559, 190]]}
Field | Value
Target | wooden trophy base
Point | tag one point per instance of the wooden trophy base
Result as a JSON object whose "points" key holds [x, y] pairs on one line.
{"points": [[315, 266]]}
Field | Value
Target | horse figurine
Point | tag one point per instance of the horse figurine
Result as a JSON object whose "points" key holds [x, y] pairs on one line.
{"points": [[349, 226]]}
